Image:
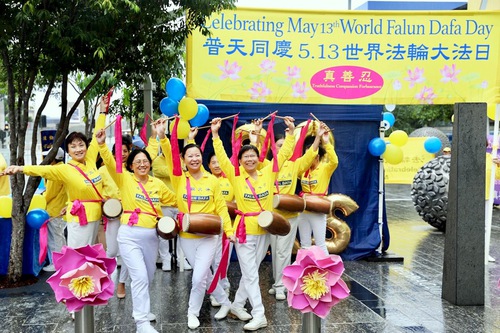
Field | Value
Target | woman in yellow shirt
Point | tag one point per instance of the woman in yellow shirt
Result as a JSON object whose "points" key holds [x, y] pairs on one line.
{"points": [[142, 197], [315, 181], [253, 191]]}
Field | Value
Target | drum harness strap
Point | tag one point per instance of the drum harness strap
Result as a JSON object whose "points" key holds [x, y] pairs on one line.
{"points": [[241, 231], [78, 208], [134, 214], [301, 194]]}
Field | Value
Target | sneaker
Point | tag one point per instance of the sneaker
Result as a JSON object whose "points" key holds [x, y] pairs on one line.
{"points": [[214, 302], [193, 321], [166, 266], [255, 324], [241, 313], [146, 328], [272, 291], [151, 317], [49, 268], [490, 259], [280, 295], [222, 313]]}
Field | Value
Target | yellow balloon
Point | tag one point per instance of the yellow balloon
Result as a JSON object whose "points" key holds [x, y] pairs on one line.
{"points": [[5, 207], [398, 138], [452, 118], [38, 201], [393, 154], [182, 129], [491, 111], [188, 108]]}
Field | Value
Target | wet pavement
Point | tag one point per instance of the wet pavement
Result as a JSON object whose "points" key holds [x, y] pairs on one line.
{"points": [[386, 296]]}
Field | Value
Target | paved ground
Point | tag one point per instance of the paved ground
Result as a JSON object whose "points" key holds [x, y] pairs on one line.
{"points": [[385, 296]]}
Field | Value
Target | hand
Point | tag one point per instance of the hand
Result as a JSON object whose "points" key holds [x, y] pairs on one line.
{"points": [[160, 128], [320, 131], [257, 123], [104, 106], [12, 170], [215, 125], [193, 131], [101, 137], [496, 160], [63, 211], [289, 122], [325, 137], [232, 239]]}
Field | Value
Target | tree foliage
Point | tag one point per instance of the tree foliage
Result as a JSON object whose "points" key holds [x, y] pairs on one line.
{"points": [[412, 117], [45, 41]]}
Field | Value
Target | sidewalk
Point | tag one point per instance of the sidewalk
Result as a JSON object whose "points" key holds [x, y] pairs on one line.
{"points": [[385, 296]]}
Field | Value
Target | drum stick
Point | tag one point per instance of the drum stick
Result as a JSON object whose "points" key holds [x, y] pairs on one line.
{"points": [[109, 125], [161, 119], [269, 115], [228, 117], [329, 129]]}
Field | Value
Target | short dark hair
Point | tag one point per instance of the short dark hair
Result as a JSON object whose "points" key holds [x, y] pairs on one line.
{"points": [[212, 154], [189, 146], [246, 148], [133, 154], [74, 136], [308, 143], [126, 141]]}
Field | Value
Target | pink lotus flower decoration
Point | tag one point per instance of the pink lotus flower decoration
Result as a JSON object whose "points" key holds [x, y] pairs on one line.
{"points": [[83, 276], [314, 281]]}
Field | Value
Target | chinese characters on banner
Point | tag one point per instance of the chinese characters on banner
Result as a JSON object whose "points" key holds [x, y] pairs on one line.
{"points": [[375, 57]]}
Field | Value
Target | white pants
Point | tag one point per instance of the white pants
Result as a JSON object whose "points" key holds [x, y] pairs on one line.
{"points": [[112, 250], [139, 248], [314, 223], [56, 239], [200, 254], [250, 255], [224, 283], [282, 252], [79, 236], [164, 248]]}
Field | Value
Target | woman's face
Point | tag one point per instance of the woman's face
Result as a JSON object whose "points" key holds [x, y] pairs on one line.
{"points": [[193, 159], [140, 165], [214, 166], [77, 149], [125, 153], [279, 144], [249, 160]]}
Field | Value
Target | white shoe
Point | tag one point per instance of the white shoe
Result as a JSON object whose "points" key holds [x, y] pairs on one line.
{"points": [[241, 314], [166, 266], [49, 268], [255, 324], [490, 259], [222, 313], [272, 291], [280, 295], [187, 266], [227, 290], [146, 328], [151, 317], [193, 321], [214, 302]]}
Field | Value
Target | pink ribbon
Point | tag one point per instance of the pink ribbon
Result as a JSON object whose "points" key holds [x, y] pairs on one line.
{"points": [[134, 217], [180, 216], [43, 242], [105, 220], [118, 144], [241, 230], [221, 270], [78, 209]]}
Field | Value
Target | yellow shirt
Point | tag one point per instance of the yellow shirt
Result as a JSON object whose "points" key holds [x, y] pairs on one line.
{"points": [[489, 161], [77, 187], [263, 186], [161, 171], [55, 195], [226, 188], [133, 197], [4, 180], [289, 172], [109, 188], [316, 181], [206, 196]]}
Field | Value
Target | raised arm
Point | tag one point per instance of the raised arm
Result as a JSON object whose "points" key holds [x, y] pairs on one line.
{"points": [[224, 161], [305, 161], [108, 158], [333, 160], [286, 150]]}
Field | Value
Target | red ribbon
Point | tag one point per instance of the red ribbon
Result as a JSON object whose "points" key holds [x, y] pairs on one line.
{"points": [[204, 143], [236, 145], [118, 144], [134, 217], [241, 230], [144, 129], [297, 152], [269, 140], [78, 209], [176, 157], [221, 270], [43, 242]]}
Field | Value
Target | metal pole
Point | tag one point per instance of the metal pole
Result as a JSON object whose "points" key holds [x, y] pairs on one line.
{"points": [[148, 88], [84, 320], [381, 180], [311, 323]]}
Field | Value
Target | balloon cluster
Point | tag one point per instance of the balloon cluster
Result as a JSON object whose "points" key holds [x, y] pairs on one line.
{"points": [[37, 214], [191, 113]]}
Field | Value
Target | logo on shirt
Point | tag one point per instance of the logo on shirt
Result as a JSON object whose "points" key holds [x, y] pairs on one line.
{"points": [[283, 183], [259, 195], [306, 182], [139, 196], [198, 198]]}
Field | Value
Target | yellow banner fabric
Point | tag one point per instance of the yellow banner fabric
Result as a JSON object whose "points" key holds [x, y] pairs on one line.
{"points": [[348, 57]]}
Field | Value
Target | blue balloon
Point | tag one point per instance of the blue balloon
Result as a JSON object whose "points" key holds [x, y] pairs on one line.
{"points": [[389, 117], [176, 89], [169, 106], [201, 116], [376, 147], [36, 217], [432, 145]]}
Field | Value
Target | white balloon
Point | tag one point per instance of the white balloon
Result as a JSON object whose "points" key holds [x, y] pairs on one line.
{"points": [[390, 107]]}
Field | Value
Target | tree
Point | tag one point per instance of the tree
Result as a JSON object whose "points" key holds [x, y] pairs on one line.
{"points": [[412, 117], [44, 41]]}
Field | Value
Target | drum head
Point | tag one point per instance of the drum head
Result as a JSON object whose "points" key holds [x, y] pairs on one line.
{"points": [[276, 200], [112, 208], [166, 224], [185, 223], [265, 219]]}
